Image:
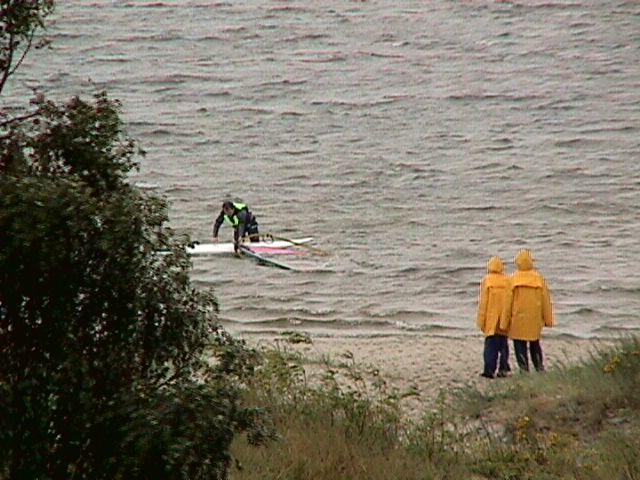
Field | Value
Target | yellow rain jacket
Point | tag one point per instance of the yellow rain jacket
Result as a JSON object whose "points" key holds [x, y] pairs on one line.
{"points": [[527, 305], [491, 300]]}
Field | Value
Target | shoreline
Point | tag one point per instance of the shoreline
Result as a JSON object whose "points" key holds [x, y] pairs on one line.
{"points": [[430, 364]]}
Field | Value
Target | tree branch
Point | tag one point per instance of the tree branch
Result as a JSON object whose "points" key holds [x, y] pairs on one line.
{"points": [[21, 118], [26, 50], [7, 68]]}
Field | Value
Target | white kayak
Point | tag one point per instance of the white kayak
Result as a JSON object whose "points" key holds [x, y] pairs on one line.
{"points": [[226, 248]]}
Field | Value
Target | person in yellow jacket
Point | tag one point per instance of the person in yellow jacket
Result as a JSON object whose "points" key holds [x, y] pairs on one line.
{"points": [[527, 309], [490, 306]]}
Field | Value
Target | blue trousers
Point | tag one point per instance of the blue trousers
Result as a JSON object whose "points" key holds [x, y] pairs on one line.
{"points": [[523, 349], [496, 350]]}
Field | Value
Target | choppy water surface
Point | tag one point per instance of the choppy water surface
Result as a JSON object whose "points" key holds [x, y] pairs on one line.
{"points": [[412, 139]]}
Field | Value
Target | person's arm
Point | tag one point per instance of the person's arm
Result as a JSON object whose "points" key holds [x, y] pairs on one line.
{"points": [[505, 318], [238, 232], [482, 305], [547, 308], [217, 224], [236, 238], [243, 222]]}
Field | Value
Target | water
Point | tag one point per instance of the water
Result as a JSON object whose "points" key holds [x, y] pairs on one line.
{"points": [[412, 139]]}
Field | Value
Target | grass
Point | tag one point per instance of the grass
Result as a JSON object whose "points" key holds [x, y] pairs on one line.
{"points": [[573, 422]]}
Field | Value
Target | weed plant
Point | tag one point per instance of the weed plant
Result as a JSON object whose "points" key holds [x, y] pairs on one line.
{"points": [[340, 420]]}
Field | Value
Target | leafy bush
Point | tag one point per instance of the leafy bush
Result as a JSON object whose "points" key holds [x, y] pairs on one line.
{"points": [[113, 365], [104, 341]]}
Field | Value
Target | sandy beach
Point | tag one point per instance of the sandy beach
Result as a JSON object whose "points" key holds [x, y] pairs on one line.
{"points": [[429, 363]]}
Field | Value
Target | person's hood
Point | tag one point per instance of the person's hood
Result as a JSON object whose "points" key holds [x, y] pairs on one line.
{"points": [[495, 265], [524, 260]]}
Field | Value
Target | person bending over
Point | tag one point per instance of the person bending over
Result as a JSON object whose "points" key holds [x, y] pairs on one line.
{"points": [[239, 216]]}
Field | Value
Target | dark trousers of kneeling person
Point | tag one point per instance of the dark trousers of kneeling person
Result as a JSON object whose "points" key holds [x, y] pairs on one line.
{"points": [[524, 348], [252, 231], [496, 350]]}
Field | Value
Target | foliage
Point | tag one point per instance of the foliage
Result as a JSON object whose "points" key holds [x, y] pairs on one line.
{"points": [[336, 419], [113, 365], [19, 22], [572, 422], [578, 421], [348, 394], [103, 340]]}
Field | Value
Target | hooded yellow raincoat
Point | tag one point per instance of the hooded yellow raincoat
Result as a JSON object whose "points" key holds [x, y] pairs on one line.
{"points": [[491, 300], [527, 305]]}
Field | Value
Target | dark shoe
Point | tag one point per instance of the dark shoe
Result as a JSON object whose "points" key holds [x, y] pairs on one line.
{"points": [[503, 374], [486, 375]]}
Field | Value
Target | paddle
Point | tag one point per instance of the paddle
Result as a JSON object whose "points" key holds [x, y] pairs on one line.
{"points": [[316, 250]]}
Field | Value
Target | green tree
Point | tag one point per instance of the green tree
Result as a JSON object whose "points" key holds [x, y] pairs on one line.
{"points": [[113, 365], [20, 20]]}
